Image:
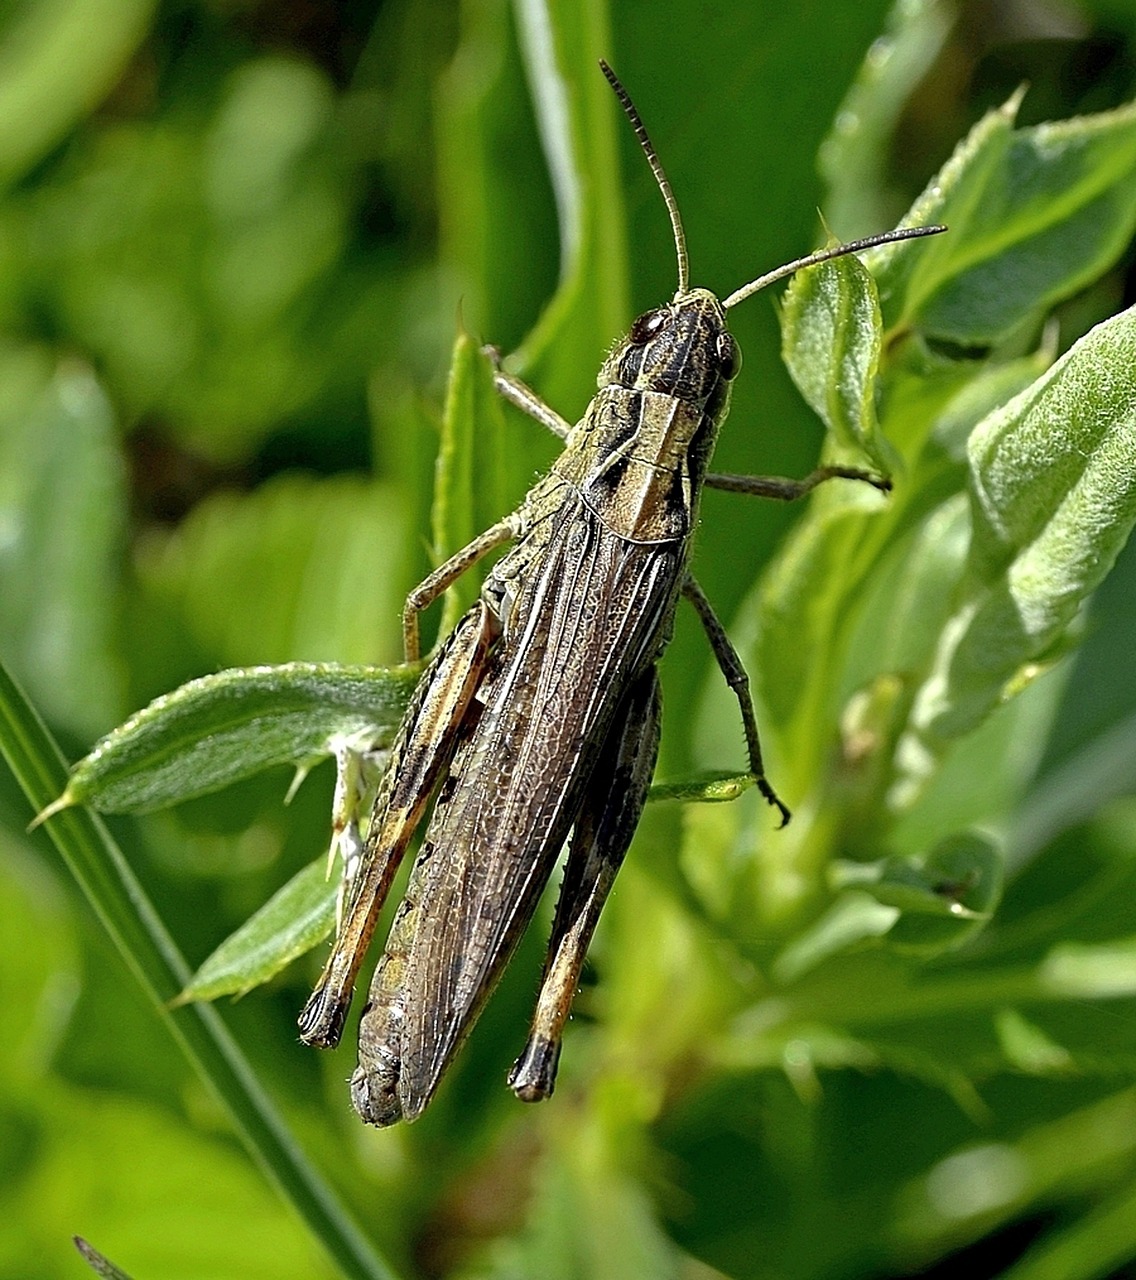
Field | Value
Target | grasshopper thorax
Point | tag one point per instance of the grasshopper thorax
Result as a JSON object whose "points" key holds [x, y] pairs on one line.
{"points": [[682, 349]]}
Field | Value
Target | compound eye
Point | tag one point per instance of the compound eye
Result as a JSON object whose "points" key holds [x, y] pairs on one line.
{"points": [[729, 356], [647, 326]]}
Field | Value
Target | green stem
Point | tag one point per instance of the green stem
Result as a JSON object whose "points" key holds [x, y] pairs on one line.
{"points": [[131, 920]]}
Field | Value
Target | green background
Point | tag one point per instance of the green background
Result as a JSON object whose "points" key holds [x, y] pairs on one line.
{"points": [[235, 240]]}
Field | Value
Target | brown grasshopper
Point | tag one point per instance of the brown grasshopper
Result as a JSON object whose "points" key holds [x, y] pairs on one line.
{"points": [[538, 717]]}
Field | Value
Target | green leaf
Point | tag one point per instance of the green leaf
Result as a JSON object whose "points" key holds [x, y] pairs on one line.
{"points": [[62, 511], [974, 1188], [301, 568], [578, 121], [495, 240], [1101, 1243], [1028, 1047], [289, 925], [852, 920], [860, 589], [946, 898], [221, 728], [710, 788], [807, 604], [488, 458], [58, 61], [854, 158], [1053, 500], [1086, 972], [201, 252], [831, 338], [1098, 772], [1033, 217], [923, 906], [911, 595], [585, 1180], [468, 493], [981, 779]]}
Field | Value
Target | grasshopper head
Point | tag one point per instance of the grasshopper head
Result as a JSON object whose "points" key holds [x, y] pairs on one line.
{"points": [[681, 349], [684, 349]]}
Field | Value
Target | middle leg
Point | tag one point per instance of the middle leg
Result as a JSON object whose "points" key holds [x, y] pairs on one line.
{"points": [[731, 667]]}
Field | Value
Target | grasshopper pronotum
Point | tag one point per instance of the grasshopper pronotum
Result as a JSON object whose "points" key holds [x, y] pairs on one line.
{"points": [[538, 717]]}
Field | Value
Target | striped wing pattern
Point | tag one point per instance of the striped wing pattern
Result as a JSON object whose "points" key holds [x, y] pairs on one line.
{"points": [[517, 781]]}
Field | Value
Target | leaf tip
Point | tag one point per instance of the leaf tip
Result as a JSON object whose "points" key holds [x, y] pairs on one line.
{"points": [[1009, 109], [302, 771], [66, 801]]}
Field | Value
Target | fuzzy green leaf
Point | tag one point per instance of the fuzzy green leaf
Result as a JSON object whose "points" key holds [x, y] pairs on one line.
{"points": [[224, 727], [151, 955], [1033, 217], [831, 334], [1053, 501]]}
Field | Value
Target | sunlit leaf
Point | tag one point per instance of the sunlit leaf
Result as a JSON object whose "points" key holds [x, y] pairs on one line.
{"points": [[1053, 501], [221, 728], [831, 338], [1033, 215]]}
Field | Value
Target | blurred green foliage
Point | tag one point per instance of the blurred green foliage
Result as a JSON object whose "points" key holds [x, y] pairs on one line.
{"points": [[234, 242]]}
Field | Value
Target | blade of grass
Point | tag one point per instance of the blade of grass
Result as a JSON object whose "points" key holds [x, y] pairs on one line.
{"points": [[99, 866]]}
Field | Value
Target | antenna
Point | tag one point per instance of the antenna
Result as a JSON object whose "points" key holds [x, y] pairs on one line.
{"points": [[826, 255], [660, 177]]}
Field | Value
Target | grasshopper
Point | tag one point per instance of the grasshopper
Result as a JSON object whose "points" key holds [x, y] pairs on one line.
{"points": [[537, 720]]}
